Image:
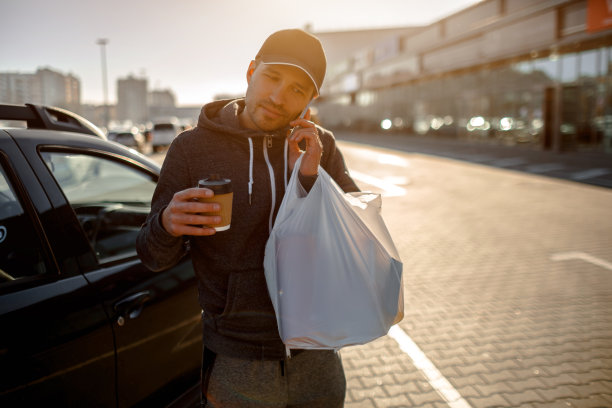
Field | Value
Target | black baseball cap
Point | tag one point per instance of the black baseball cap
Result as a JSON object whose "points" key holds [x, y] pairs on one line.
{"points": [[297, 48]]}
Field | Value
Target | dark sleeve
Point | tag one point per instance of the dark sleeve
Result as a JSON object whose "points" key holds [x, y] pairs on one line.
{"points": [[333, 162], [157, 249]]}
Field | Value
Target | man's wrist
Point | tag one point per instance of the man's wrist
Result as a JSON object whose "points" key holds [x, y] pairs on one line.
{"points": [[307, 181]]}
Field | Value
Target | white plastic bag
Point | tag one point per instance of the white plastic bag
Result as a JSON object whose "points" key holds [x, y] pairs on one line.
{"points": [[332, 270]]}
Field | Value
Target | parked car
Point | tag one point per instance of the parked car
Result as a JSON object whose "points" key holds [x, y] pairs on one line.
{"points": [[83, 321], [129, 137], [163, 133]]}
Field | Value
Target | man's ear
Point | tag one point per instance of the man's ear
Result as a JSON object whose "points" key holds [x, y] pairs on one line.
{"points": [[251, 70]]}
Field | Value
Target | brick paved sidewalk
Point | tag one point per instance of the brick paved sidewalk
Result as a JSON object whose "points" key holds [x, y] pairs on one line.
{"points": [[501, 292]]}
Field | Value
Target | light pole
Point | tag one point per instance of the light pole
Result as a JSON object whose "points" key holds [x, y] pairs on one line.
{"points": [[102, 43]]}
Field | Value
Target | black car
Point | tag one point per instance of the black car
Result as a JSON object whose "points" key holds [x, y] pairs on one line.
{"points": [[82, 321]]}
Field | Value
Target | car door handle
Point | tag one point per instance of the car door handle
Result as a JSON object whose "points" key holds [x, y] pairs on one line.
{"points": [[131, 306]]}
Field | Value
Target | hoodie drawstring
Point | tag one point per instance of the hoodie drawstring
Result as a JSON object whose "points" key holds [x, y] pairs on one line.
{"points": [[272, 183], [250, 169], [286, 160]]}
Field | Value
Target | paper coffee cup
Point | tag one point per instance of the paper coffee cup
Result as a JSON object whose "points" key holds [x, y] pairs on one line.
{"points": [[223, 196]]}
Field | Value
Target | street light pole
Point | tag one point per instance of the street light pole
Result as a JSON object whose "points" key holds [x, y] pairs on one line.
{"points": [[102, 43]]}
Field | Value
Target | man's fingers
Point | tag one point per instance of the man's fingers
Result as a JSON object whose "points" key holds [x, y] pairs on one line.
{"points": [[178, 224], [195, 230], [313, 153], [194, 219], [191, 193], [193, 206], [185, 214], [302, 123], [310, 134]]}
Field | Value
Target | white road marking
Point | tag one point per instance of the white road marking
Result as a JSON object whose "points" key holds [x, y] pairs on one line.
{"points": [[565, 256], [392, 160], [370, 154], [434, 377], [389, 189]]}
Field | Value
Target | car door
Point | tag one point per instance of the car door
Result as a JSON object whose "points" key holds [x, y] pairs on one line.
{"points": [[56, 343], [156, 318]]}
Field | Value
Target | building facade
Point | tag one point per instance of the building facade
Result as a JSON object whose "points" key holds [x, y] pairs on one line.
{"points": [[132, 103], [536, 73], [44, 87], [161, 103]]}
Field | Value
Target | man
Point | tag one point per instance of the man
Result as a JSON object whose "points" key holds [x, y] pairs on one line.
{"points": [[251, 142]]}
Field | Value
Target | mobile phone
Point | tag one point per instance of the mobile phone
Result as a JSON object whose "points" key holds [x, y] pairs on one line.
{"points": [[302, 115]]}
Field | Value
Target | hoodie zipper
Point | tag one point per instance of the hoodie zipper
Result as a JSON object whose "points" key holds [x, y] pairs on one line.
{"points": [[267, 143]]}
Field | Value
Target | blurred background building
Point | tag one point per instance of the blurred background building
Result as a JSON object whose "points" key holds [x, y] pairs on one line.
{"points": [[161, 103], [517, 72], [535, 73], [132, 99], [43, 87]]}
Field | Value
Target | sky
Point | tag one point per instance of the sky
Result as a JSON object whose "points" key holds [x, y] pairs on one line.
{"points": [[196, 48]]}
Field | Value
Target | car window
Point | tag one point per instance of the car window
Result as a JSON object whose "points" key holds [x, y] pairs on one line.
{"points": [[21, 251], [111, 200]]}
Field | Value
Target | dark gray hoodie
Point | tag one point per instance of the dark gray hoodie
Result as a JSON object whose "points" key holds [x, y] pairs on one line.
{"points": [[238, 317]]}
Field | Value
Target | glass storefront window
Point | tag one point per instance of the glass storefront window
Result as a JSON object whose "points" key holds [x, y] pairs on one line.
{"points": [[365, 98], [603, 61], [342, 100], [505, 103], [525, 67], [588, 64], [547, 66], [569, 67]]}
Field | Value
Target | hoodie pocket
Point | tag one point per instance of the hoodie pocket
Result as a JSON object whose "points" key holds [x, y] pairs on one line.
{"points": [[248, 312]]}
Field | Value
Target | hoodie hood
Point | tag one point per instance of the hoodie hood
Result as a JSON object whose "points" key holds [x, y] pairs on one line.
{"points": [[222, 116]]}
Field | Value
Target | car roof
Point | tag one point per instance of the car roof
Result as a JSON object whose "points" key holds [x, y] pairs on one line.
{"points": [[50, 118], [56, 138]]}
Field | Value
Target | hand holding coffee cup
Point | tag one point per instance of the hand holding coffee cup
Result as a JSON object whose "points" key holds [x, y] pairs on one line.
{"points": [[223, 195]]}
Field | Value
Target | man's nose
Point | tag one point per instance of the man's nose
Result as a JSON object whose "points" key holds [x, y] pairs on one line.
{"points": [[277, 95]]}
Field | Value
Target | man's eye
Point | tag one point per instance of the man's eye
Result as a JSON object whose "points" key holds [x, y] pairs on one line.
{"points": [[298, 91]]}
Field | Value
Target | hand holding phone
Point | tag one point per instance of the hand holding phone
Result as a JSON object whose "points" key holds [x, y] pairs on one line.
{"points": [[304, 129], [304, 115]]}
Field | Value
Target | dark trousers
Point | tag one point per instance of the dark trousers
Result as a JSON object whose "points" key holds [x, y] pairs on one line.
{"points": [[312, 378]]}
